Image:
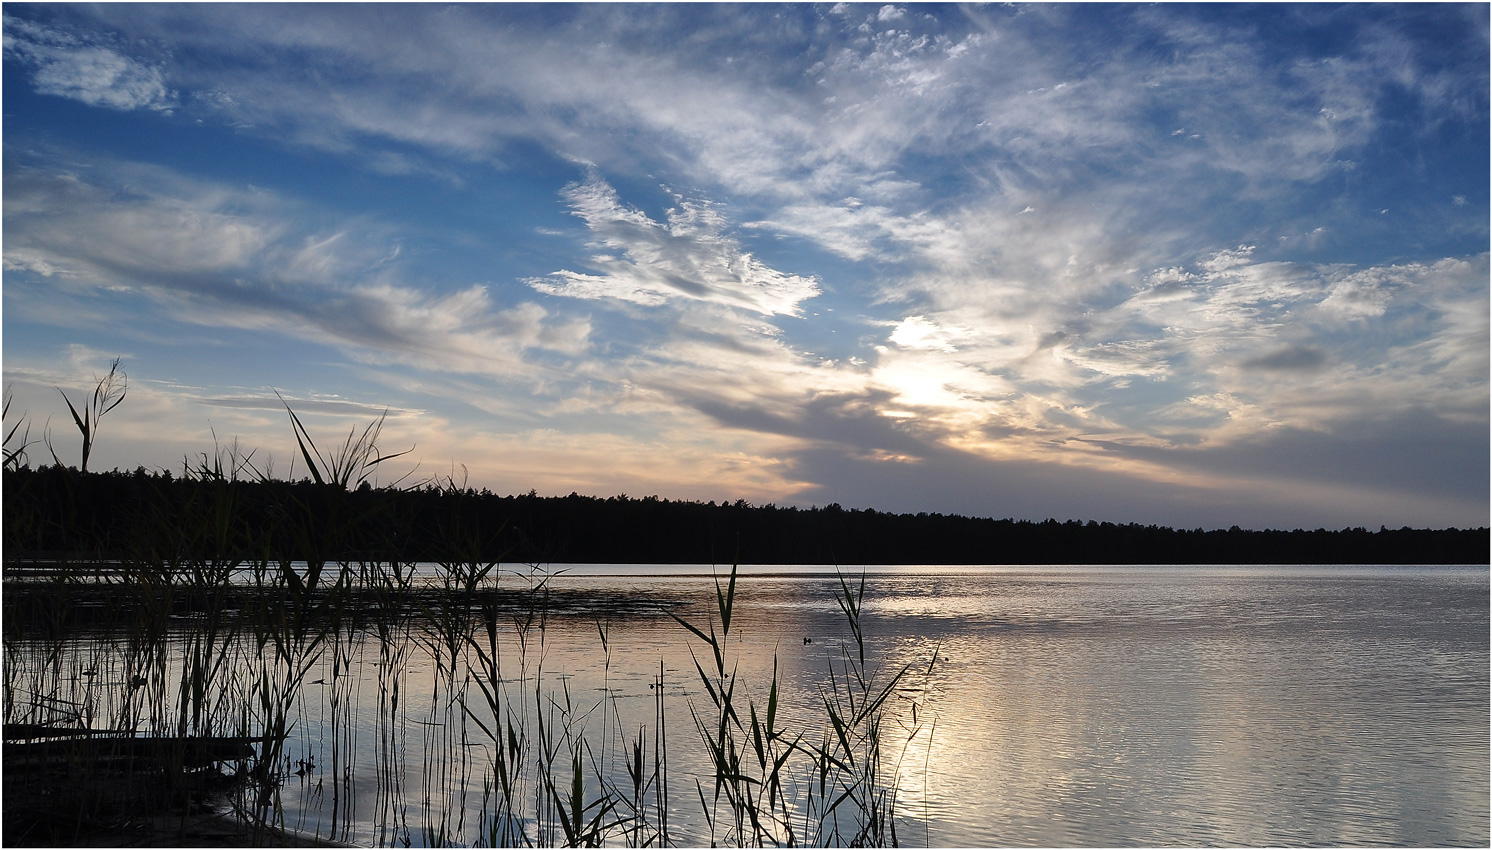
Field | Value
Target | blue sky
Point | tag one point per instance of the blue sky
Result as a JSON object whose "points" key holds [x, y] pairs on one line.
{"points": [[1195, 265]]}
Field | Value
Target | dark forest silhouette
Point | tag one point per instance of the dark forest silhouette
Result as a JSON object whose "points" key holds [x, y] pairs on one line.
{"points": [[56, 511]]}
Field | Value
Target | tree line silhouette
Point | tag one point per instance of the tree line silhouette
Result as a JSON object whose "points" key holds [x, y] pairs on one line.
{"points": [[56, 511]]}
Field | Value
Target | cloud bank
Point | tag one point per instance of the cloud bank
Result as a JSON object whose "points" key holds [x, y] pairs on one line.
{"points": [[1171, 264]]}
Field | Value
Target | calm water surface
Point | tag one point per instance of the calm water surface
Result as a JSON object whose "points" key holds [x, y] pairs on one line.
{"points": [[1099, 706], [1057, 706]]}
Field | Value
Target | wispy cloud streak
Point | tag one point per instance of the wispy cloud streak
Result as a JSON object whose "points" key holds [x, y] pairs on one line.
{"points": [[689, 257], [1122, 244]]}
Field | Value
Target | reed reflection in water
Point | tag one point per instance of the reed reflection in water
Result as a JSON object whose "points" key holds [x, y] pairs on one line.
{"points": [[1050, 706]]}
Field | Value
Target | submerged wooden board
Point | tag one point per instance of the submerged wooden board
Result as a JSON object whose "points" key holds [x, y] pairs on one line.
{"points": [[104, 748]]}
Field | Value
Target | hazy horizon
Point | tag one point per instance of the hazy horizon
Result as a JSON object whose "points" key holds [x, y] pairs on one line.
{"points": [[1189, 265]]}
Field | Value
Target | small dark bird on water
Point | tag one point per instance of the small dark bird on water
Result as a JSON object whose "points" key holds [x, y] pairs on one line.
{"points": [[807, 641]]}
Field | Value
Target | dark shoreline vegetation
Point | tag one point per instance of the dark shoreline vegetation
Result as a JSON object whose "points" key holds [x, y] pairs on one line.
{"points": [[166, 637], [54, 509]]}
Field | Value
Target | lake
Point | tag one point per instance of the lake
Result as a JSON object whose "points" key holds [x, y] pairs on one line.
{"points": [[1037, 706]]}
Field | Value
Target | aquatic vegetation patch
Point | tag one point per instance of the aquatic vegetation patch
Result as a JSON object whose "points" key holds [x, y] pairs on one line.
{"points": [[175, 669]]}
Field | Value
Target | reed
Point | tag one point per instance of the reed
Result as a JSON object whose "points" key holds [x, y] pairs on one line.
{"points": [[108, 393], [213, 645], [17, 436]]}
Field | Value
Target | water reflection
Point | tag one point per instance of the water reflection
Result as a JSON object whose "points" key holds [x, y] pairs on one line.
{"points": [[1064, 706]]}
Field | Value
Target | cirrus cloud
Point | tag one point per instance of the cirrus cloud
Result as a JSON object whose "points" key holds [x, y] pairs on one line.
{"points": [[688, 257], [67, 66], [1112, 248]]}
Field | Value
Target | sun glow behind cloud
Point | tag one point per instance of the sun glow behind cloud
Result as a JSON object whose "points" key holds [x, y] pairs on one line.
{"points": [[1124, 262]]}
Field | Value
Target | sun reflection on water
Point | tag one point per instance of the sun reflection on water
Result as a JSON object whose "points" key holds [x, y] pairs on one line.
{"points": [[1051, 706]]}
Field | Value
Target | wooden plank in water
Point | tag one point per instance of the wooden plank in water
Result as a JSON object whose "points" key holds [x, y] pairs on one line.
{"points": [[188, 751]]}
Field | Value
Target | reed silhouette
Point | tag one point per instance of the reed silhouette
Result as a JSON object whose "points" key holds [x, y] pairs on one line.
{"points": [[163, 660]]}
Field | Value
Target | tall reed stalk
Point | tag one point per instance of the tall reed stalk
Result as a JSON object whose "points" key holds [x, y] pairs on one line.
{"points": [[108, 393], [211, 628]]}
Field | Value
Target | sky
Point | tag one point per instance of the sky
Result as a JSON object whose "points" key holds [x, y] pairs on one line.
{"points": [[1191, 265]]}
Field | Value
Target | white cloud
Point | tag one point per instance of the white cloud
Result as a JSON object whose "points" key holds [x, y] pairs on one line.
{"points": [[857, 231], [919, 332], [22, 259], [66, 66], [1228, 259], [1214, 354], [1361, 294], [690, 257], [73, 221], [211, 256], [1032, 230], [891, 97]]}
